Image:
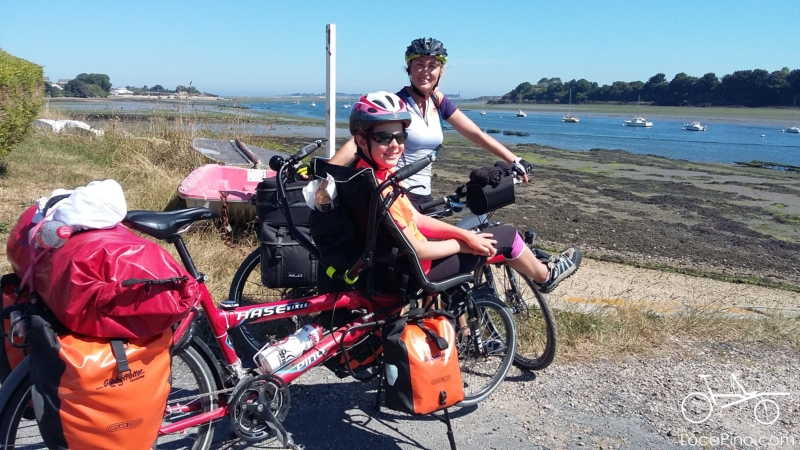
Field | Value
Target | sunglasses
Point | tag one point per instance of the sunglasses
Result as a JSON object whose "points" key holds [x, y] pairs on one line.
{"points": [[385, 137]]}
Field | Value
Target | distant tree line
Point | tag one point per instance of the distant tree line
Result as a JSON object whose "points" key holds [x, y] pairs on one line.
{"points": [[750, 88], [158, 89], [99, 85], [84, 85]]}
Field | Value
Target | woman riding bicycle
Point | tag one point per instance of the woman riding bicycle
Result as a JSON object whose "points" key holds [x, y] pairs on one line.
{"points": [[379, 123], [425, 61]]}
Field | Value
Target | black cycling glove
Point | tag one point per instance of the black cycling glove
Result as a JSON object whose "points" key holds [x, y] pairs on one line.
{"points": [[522, 167]]}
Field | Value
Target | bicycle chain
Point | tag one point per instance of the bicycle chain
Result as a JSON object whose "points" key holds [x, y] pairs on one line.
{"points": [[193, 397]]}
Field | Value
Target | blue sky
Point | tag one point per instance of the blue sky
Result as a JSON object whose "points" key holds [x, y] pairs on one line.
{"points": [[272, 48]]}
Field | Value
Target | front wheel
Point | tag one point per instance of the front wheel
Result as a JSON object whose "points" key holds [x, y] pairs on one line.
{"points": [[247, 289], [536, 326], [191, 394], [486, 340]]}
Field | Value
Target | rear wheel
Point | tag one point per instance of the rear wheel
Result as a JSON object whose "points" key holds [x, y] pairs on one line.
{"points": [[247, 289], [191, 379], [536, 326], [193, 382], [18, 427], [486, 339]]}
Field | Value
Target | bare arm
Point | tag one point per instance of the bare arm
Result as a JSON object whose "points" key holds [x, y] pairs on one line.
{"points": [[467, 128], [346, 154], [468, 242], [429, 250]]}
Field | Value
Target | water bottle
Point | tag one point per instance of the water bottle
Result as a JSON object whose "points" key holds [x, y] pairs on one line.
{"points": [[274, 356], [52, 234]]}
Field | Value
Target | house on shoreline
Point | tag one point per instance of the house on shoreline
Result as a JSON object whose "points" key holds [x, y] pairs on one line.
{"points": [[118, 91]]}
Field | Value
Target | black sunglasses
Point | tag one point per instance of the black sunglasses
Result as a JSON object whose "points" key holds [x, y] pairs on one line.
{"points": [[385, 137]]}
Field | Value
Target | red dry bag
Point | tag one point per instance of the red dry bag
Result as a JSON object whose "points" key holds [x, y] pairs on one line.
{"points": [[81, 282]]}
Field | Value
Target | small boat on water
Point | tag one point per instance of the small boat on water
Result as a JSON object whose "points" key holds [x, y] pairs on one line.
{"points": [[313, 104], [694, 126], [568, 117], [795, 130], [521, 113], [638, 122], [483, 113]]}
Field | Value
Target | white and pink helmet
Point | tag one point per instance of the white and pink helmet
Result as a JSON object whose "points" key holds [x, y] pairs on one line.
{"points": [[375, 108]]}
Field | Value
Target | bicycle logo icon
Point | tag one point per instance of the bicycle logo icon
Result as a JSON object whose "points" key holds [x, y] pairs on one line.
{"points": [[698, 406]]}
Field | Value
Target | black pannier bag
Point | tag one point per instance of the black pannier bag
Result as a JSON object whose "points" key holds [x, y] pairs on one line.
{"points": [[284, 262], [490, 188]]}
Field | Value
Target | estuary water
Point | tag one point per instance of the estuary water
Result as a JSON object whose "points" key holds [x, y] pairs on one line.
{"points": [[722, 142]]}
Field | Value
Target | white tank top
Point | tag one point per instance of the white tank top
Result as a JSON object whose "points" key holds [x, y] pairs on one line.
{"points": [[423, 138]]}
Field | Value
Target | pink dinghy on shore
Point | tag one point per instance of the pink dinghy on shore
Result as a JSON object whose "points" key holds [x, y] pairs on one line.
{"points": [[232, 182], [208, 185]]}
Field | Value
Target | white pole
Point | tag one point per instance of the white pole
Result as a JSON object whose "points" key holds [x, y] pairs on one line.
{"points": [[330, 92]]}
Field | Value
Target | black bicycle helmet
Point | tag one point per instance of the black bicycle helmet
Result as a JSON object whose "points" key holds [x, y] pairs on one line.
{"points": [[426, 47]]}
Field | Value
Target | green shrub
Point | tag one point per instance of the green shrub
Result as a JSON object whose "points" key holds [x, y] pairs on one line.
{"points": [[21, 94]]}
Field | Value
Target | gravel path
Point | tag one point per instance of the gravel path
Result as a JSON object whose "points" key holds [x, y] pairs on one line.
{"points": [[631, 404]]}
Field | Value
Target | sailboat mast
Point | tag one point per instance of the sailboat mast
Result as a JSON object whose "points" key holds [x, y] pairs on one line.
{"points": [[569, 108]]}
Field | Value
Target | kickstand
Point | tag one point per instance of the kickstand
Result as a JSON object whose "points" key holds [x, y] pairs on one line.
{"points": [[446, 420], [380, 391]]}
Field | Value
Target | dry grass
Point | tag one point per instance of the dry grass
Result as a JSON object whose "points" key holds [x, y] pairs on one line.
{"points": [[616, 332], [148, 159]]}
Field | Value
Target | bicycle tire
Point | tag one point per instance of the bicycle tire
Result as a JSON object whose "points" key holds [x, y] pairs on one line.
{"points": [[191, 376], [498, 334], [18, 427], [536, 326], [247, 289]]}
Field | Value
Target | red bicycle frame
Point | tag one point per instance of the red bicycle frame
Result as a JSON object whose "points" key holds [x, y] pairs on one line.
{"points": [[222, 320]]}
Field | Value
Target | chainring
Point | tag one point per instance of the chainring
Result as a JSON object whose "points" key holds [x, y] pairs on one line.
{"points": [[249, 398]]}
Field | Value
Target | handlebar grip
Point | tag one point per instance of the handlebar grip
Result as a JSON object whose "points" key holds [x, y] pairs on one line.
{"points": [[406, 171], [432, 204], [308, 149]]}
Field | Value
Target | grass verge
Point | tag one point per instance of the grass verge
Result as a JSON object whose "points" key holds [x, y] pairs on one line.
{"points": [[615, 333]]}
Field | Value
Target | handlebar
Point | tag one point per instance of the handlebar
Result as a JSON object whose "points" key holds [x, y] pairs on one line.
{"points": [[278, 163], [308, 149], [432, 204], [406, 171]]}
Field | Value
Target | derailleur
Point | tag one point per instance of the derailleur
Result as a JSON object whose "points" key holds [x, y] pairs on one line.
{"points": [[258, 406]]}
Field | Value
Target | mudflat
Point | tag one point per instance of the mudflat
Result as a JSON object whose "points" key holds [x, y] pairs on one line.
{"points": [[733, 222]]}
